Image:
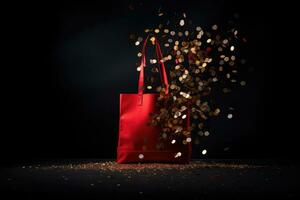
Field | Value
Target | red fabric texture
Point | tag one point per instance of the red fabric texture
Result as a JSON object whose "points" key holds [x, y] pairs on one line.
{"points": [[137, 139]]}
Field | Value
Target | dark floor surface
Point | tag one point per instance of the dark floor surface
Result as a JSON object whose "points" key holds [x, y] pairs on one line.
{"points": [[104, 179]]}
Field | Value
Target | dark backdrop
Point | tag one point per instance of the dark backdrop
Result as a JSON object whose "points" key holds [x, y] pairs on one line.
{"points": [[69, 62]]}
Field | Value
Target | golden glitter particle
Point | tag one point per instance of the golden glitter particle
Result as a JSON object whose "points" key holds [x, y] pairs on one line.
{"points": [[243, 83], [215, 79], [160, 14], [164, 135], [186, 33], [204, 65], [180, 34], [220, 68], [193, 50], [231, 48], [152, 39], [217, 111], [141, 156], [184, 142], [178, 155], [183, 116], [225, 41], [208, 40], [235, 32], [139, 54], [206, 133], [188, 139], [222, 56], [156, 30], [234, 71], [199, 36], [233, 80], [153, 61], [173, 141], [226, 59], [173, 86], [214, 27], [166, 30], [227, 75], [149, 87], [159, 88], [204, 151], [181, 23], [232, 58], [198, 28], [147, 30], [177, 67], [229, 116], [169, 57], [176, 42]]}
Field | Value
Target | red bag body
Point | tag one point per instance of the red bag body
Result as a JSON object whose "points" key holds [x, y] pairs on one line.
{"points": [[138, 141]]}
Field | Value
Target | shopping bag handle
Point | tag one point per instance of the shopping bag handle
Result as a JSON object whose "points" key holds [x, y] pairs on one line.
{"points": [[163, 74]]}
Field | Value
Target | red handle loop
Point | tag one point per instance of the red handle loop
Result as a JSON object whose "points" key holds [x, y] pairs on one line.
{"points": [[162, 70]]}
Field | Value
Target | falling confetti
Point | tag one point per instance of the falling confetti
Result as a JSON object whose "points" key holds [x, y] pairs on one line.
{"points": [[198, 60]]}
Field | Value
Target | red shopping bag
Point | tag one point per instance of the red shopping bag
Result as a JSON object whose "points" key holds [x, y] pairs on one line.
{"points": [[137, 139]]}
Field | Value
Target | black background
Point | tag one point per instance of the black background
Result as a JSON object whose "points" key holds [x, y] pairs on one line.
{"points": [[69, 61]]}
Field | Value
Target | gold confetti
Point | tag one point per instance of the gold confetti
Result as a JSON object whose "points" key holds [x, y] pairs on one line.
{"points": [[181, 23], [206, 133], [177, 155], [214, 27]]}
